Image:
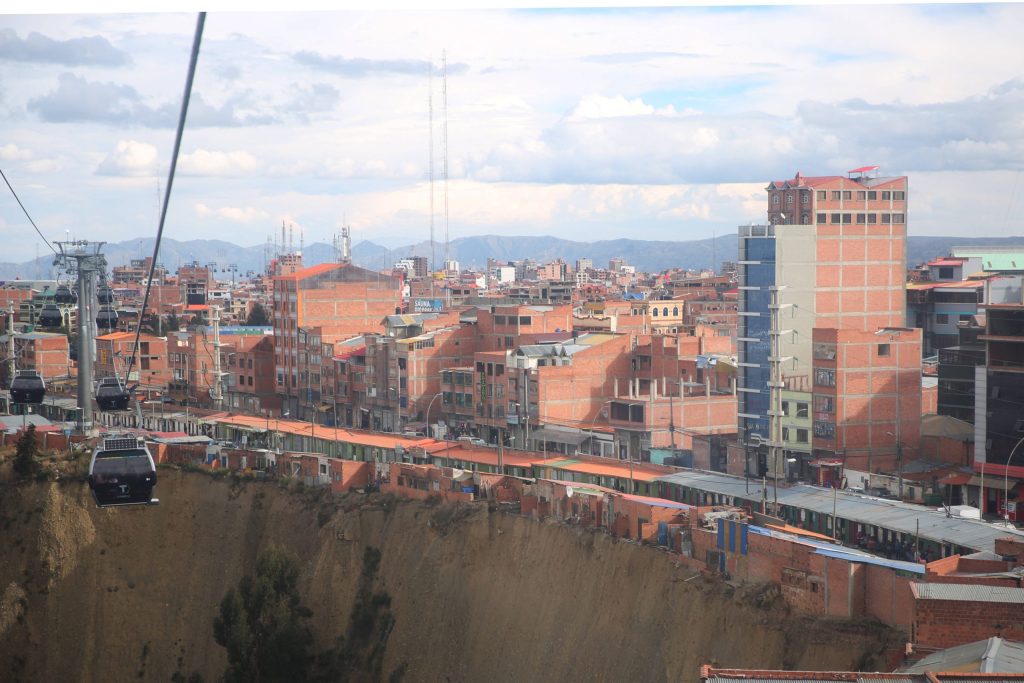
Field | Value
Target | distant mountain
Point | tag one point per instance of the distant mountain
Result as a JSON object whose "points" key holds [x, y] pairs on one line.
{"points": [[473, 252]]}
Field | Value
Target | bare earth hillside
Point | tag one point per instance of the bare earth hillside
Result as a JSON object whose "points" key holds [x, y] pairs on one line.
{"points": [[130, 594]]}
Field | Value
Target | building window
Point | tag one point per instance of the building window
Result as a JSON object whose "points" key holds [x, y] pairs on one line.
{"points": [[821, 195], [861, 219], [899, 196], [824, 377], [785, 408], [824, 404], [789, 199], [847, 218], [824, 430], [946, 273], [872, 195], [941, 318], [861, 194], [883, 349], [872, 218], [775, 199], [785, 433], [897, 218], [886, 219], [836, 195], [847, 194], [801, 410], [654, 312], [675, 310], [801, 436], [886, 195], [664, 311], [821, 218], [805, 219], [805, 197], [837, 218]]}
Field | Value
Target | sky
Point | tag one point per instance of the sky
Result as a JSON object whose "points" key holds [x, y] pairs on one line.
{"points": [[586, 124]]}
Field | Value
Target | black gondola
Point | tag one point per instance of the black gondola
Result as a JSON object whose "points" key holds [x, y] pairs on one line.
{"points": [[65, 295], [28, 387], [51, 316], [106, 318], [122, 472], [111, 394], [105, 295]]}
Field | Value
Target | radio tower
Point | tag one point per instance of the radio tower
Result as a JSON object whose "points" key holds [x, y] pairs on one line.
{"points": [[444, 148], [430, 166]]}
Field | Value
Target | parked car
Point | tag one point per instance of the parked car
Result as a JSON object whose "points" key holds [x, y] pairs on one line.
{"points": [[475, 440]]}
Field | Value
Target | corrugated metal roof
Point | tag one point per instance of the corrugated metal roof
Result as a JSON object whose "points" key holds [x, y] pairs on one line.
{"points": [[931, 523], [985, 656], [967, 592]]}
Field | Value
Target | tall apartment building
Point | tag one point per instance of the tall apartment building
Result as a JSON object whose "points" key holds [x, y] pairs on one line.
{"points": [[999, 390], [834, 250], [317, 306]]}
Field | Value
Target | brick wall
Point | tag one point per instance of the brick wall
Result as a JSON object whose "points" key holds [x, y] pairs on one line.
{"points": [[947, 623]]}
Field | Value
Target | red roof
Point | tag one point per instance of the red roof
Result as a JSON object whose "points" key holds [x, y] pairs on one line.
{"points": [[864, 169], [947, 262]]}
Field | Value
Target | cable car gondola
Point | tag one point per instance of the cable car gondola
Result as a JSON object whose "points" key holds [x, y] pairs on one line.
{"points": [[51, 316], [28, 387], [111, 394], [106, 318], [65, 295], [105, 295], [122, 472]]}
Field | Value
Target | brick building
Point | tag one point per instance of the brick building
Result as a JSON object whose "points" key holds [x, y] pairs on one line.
{"points": [[44, 352], [321, 305], [151, 369], [834, 250], [866, 396]]}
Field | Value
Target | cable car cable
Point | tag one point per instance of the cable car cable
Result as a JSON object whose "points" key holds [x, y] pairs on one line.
{"points": [[26, 212], [197, 40]]}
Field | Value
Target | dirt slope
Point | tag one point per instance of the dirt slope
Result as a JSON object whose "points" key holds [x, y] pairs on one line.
{"points": [[130, 594]]}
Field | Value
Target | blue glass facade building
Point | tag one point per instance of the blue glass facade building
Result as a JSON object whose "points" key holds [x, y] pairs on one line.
{"points": [[757, 277]]}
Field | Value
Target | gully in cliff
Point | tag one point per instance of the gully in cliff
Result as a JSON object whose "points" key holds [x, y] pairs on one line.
{"points": [[122, 472]]}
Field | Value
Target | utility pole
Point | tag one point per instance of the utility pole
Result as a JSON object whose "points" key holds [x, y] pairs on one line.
{"points": [[775, 386], [88, 261], [216, 393]]}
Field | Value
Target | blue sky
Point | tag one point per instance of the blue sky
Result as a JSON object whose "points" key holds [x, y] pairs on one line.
{"points": [[653, 124]]}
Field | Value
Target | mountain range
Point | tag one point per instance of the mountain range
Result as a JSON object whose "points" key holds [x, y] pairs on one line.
{"points": [[472, 252]]}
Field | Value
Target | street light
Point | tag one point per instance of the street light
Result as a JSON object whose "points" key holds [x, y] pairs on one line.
{"points": [[427, 414], [1006, 483]]}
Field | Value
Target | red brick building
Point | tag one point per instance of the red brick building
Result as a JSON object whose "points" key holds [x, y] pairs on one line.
{"points": [[866, 398], [321, 305]]}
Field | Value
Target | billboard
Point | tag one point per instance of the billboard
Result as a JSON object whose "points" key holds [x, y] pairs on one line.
{"points": [[427, 305]]}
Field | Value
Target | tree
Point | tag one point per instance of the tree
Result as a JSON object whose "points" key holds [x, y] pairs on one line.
{"points": [[198, 320], [172, 323], [261, 624], [258, 316], [25, 462]]}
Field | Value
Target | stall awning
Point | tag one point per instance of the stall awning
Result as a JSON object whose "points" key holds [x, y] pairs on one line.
{"points": [[555, 436], [994, 482]]}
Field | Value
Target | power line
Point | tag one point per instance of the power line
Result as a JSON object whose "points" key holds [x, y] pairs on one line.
{"points": [[26, 212], [196, 41]]}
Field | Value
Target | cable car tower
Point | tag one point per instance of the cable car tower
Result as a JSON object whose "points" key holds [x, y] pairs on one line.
{"points": [[86, 260]]}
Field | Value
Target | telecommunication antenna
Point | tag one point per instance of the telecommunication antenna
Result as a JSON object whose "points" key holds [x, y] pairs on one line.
{"points": [[430, 114], [444, 148]]}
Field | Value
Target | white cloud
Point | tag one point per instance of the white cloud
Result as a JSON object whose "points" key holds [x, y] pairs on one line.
{"points": [[129, 158], [246, 214], [204, 162], [11, 152]]}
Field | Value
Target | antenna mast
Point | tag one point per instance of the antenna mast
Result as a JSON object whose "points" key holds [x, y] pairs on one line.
{"points": [[444, 148], [430, 113]]}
